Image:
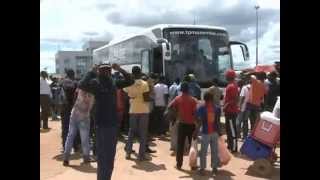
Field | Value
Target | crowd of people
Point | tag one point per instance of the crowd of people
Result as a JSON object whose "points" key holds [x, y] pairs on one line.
{"points": [[97, 110]]}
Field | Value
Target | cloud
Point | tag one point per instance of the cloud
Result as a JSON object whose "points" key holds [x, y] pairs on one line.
{"points": [[54, 40], [47, 61], [105, 6], [236, 17], [90, 33], [70, 23], [105, 36], [269, 45], [146, 20]]}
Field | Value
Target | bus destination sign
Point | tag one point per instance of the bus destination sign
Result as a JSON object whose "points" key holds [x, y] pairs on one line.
{"points": [[186, 32]]}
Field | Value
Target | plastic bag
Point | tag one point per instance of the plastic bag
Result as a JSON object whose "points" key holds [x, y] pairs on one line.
{"points": [[193, 153], [223, 152], [276, 109]]}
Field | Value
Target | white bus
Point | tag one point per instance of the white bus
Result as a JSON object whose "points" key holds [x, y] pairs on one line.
{"points": [[173, 51]]}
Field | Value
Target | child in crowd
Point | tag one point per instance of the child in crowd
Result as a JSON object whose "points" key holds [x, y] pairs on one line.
{"points": [[206, 116]]}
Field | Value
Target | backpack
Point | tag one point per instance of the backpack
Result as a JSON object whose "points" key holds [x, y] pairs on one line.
{"points": [[69, 87]]}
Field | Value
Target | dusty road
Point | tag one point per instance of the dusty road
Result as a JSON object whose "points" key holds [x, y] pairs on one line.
{"points": [[161, 167]]}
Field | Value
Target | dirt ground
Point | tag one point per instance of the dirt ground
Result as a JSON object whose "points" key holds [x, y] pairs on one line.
{"points": [[160, 167]]}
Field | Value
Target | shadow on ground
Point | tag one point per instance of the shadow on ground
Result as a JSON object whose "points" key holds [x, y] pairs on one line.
{"points": [[74, 156], [241, 156], [164, 139], [147, 166], [222, 175], [152, 144], [84, 168], [45, 130]]}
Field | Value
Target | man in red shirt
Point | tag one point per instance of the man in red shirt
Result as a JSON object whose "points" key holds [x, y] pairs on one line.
{"points": [[185, 106], [231, 110], [257, 92]]}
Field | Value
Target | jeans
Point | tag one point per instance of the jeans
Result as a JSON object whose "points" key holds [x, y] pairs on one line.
{"points": [[138, 124], [184, 131], [83, 126], [159, 122], [65, 121], [231, 129], [252, 115], [173, 136], [45, 110], [56, 111], [106, 138], [242, 124], [211, 139], [92, 133], [218, 115]]}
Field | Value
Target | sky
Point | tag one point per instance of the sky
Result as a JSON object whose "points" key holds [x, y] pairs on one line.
{"points": [[67, 24]]}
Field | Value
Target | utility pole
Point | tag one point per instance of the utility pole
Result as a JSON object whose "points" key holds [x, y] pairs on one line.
{"points": [[257, 32]]}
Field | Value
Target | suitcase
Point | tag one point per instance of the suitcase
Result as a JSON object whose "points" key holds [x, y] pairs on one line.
{"points": [[267, 129], [276, 109], [254, 149]]}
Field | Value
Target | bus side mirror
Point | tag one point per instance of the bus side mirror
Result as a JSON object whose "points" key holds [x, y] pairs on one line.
{"points": [[166, 51], [166, 48], [244, 49]]}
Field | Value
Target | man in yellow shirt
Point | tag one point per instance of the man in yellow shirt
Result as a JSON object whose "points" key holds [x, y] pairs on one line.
{"points": [[139, 113]]}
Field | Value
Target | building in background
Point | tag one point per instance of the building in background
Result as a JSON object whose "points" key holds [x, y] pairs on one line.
{"points": [[91, 45], [79, 61]]}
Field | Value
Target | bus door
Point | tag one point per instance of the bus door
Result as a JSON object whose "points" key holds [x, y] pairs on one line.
{"points": [[157, 61], [236, 60]]}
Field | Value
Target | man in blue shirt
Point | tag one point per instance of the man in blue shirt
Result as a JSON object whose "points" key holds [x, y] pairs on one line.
{"points": [[103, 87]]}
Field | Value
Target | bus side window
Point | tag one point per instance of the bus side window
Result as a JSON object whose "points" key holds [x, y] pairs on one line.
{"points": [[145, 61]]}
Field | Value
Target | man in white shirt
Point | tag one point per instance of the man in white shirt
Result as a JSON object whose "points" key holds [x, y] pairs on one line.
{"points": [[173, 127], [173, 89], [45, 96], [242, 119], [161, 95]]}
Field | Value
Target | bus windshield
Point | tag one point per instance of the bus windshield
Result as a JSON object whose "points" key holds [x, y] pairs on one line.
{"points": [[203, 52]]}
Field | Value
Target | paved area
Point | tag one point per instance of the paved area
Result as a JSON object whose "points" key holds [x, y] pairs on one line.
{"points": [[161, 167]]}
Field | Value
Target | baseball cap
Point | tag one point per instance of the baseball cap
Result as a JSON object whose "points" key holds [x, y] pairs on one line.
{"points": [[230, 73], [104, 66]]}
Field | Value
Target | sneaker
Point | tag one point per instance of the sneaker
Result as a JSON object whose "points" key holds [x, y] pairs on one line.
{"points": [[193, 168], [86, 162], [178, 167], [148, 150], [93, 159], [201, 172], [173, 153], [128, 156], [214, 171], [234, 152], [144, 158], [65, 163], [132, 151], [89, 160]]}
